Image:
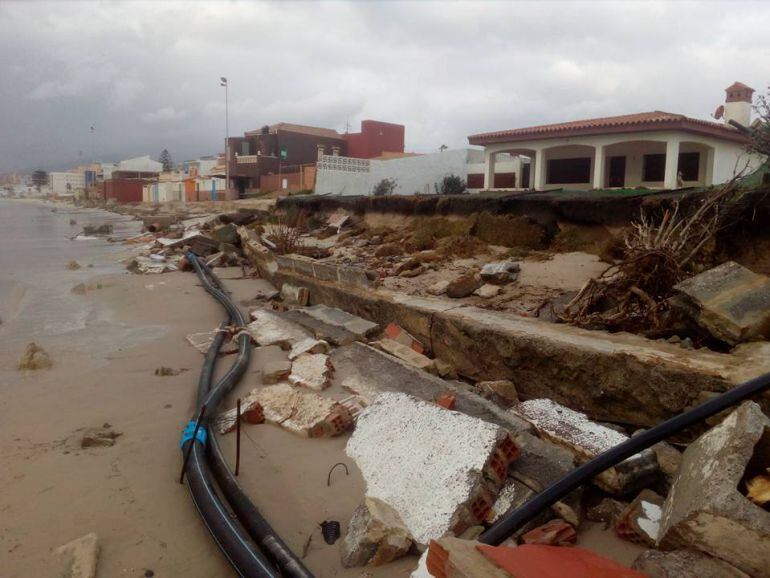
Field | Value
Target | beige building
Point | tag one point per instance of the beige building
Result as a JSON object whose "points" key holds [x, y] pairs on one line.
{"points": [[649, 149]]}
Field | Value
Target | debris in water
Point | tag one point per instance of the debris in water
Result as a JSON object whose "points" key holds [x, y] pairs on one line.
{"points": [[73, 265], [35, 357]]}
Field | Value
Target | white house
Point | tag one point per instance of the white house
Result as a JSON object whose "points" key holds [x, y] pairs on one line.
{"points": [[649, 149], [65, 183]]}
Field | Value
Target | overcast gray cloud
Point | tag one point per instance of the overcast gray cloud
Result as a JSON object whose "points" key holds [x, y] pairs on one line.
{"points": [[145, 75]]}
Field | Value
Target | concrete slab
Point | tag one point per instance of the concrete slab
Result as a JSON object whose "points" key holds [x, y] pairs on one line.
{"points": [[360, 327], [586, 439], [705, 509], [427, 463], [319, 329], [270, 328], [729, 301]]}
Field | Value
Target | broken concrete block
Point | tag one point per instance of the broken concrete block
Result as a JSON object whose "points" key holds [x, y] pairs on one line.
{"points": [[84, 555], [501, 391], [487, 291], [729, 301], [226, 234], [294, 295], [309, 345], [399, 334], [500, 273], [337, 220], [705, 509], [300, 412], [360, 327], [438, 469], [202, 342], [553, 533], [407, 354], [684, 564], [269, 328], [275, 371], [225, 422], [640, 521], [376, 535], [512, 495], [439, 287], [463, 286], [312, 370], [103, 437], [319, 329], [455, 558], [607, 511], [34, 357], [586, 440]]}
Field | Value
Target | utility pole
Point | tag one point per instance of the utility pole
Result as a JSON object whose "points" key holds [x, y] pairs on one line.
{"points": [[223, 82]]}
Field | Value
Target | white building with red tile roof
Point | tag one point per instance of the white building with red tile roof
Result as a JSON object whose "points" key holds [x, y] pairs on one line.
{"points": [[649, 149]]}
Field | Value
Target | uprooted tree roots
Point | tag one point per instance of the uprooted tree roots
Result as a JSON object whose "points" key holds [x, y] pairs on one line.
{"points": [[659, 252]]}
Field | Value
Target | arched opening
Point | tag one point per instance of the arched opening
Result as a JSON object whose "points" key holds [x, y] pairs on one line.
{"points": [[634, 163], [502, 169]]}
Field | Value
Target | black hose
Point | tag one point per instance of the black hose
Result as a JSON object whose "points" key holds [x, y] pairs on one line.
{"points": [[505, 527], [248, 514]]}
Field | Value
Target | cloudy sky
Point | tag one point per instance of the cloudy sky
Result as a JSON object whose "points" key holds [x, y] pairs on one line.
{"points": [[145, 75]]}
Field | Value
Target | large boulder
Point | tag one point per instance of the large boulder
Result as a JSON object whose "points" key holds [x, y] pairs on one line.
{"points": [[376, 535], [705, 509]]}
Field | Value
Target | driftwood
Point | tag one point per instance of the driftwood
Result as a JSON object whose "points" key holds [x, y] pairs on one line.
{"points": [[659, 252]]}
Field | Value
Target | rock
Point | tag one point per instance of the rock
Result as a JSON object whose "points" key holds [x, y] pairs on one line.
{"points": [[440, 470], [84, 555], [438, 288], [275, 371], [486, 291], [607, 511], [500, 391], [73, 265], [640, 521], [312, 370], [294, 295], [309, 345], [444, 369], [587, 439], [407, 265], [553, 533], [500, 273], [73, 222], [684, 564], [99, 437], [164, 371], [705, 510], [388, 250], [399, 334], [269, 328], [413, 272], [407, 354], [226, 234], [729, 301], [34, 357], [104, 229], [376, 535], [463, 286]]}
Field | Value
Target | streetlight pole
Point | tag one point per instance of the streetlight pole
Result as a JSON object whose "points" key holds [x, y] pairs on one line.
{"points": [[223, 82]]}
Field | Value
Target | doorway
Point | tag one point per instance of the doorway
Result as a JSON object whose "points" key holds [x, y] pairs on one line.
{"points": [[617, 172]]}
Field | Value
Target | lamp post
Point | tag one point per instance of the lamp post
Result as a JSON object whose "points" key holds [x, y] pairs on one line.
{"points": [[223, 82]]}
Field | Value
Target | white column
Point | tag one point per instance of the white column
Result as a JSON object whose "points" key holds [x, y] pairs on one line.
{"points": [[539, 183], [708, 175], [489, 169], [672, 163], [599, 167]]}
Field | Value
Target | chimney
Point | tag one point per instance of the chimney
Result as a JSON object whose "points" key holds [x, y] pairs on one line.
{"points": [[738, 103]]}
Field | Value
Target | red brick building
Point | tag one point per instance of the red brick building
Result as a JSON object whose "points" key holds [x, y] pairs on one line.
{"points": [[375, 139]]}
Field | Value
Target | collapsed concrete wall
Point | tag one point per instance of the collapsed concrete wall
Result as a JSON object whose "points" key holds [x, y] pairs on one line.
{"points": [[610, 377]]}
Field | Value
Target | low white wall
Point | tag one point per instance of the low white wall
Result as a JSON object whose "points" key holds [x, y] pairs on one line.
{"points": [[417, 174]]}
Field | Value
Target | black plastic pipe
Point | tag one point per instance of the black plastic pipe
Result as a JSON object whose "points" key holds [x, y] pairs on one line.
{"points": [[505, 527], [248, 514]]}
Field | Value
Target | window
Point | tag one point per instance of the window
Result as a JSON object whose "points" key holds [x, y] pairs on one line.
{"points": [[562, 171], [654, 168], [689, 166]]}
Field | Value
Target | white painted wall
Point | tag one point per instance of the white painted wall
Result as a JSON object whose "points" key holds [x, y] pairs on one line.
{"points": [[163, 192], [58, 182], [417, 174]]}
